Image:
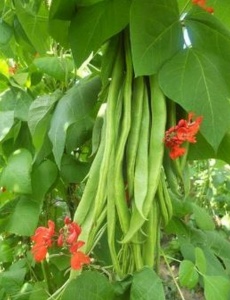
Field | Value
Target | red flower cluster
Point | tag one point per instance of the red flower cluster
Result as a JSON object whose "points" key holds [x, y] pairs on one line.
{"points": [[184, 131], [202, 4], [44, 238]]}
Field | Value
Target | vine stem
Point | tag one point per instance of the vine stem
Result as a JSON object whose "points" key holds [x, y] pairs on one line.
{"points": [[172, 275], [59, 291]]}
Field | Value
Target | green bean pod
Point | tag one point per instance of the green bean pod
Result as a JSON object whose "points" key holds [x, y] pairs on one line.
{"points": [[113, 96], [141, 173], [152, 231], [156, 152], [119, 182], [133, 138]]}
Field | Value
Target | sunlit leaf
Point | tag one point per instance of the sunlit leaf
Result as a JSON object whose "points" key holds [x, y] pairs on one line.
{"points": [[73, 107], [58, 68], [89, 285], [38, 116], [35, 25], [146, 285], [202, 218], [6, 122], [156, 34], [216, 287], [93, 25], [188, 275], [16, 175]]}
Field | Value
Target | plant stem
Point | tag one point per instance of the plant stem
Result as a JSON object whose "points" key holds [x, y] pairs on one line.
{"points": [[172, 275]]}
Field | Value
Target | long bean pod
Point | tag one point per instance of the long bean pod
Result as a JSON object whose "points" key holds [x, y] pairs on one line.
{"points": [[120, 199], [133, 138], [156, 152], [141, 173]]}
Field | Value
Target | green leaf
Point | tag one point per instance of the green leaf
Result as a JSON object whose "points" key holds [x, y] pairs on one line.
{"points": [[43, 177], [191, 77], [62, 10], [73, 170], [221, 11], [200, 260], [216, 287], [59, 30], [39, 291], [6, 122], [156, 37], [38, 117], [188, 275], [146, 285], [202, 218], [24, 217], [35, 25], [12, 280], [94, 24], [75, 106], [6, 252], [16, 175], [58, 68], [6, 33], [16, 100], [89, 285]]}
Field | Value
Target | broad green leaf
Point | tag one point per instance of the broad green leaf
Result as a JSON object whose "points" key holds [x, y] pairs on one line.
{"points": [[16, 175], [43, 177], [6, 252], [73, 170], [6, 33], [39, 291], [201, 262], [146, 285], [94, 24], [188, 275], [24, 217], [203, 150], [58, 68], [59, 29], [16, 100], [218, 244], [202, 218], [12, 280], [75, 106], [221, 11], [192, 78], [78, 133], [216, 287], [87, 2], [6, 122], [157, 36], [62, 10], [214, 266], [89, 285], [35, 25], [38, 117]]}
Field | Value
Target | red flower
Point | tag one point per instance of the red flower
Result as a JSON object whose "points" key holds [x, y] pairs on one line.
{"points": [[184, 131], [202, 4], [78, 260], [68, 239], [42, 240]]}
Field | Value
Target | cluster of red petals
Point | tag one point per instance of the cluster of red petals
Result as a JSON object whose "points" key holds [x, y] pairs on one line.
{"points": [[184, 131], [67, 238], [42, 241], [202, 4]]}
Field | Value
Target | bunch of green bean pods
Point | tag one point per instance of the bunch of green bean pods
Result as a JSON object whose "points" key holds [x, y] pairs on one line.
{"points": [[126, 195]]}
